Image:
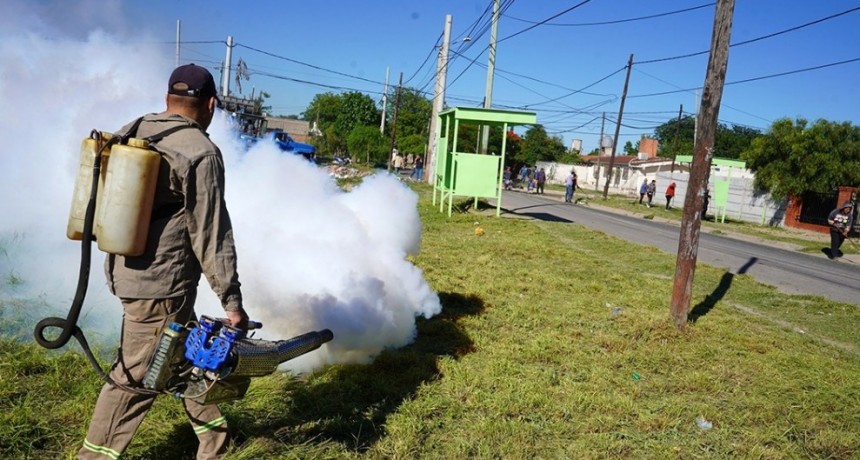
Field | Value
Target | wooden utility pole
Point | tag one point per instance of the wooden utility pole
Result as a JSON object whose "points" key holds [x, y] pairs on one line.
{"points": [[438, 102], [677, 135], [688, 242], [599, 151], [394, 123], [617, 130]]}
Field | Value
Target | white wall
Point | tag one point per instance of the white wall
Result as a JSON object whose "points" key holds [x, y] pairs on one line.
{"points": [[744, 202]]}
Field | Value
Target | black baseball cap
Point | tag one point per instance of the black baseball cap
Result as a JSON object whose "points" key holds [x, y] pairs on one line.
{"points": [[192, 80]]}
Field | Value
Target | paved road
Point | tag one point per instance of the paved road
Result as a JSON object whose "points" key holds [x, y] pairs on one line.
{"points": [[789, 271]]}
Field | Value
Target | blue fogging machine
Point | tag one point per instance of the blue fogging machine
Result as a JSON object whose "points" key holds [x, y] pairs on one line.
{"points": [[217, 361]]}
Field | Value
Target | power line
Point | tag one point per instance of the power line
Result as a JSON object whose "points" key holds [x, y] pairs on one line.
{"points": [[722, 104], [619, 21], [426, 59], [781, 74], [745, 42], [308, 65], [545, 20], [577, 91]]}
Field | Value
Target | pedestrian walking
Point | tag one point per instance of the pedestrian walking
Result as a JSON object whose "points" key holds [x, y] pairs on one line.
{"points": [[650, 191], [670, 193], [643, 189], [840, 221], [418, 170], [541, 180], [569, 186]]}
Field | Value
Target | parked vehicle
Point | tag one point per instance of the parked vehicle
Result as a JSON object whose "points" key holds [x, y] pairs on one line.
{"points": [[287, 144], [284, 142]]}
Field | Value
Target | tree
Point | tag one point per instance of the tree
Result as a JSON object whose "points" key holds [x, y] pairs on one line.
{"points": [[324, 109], [413, 143], [367, 143], [729, 142], [413, 115], [666, 134], [630, 149], [539, 146], [793, 157], [356, 109], [337, 115]]}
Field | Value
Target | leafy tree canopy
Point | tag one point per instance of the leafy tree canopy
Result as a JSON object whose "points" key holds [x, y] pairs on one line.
{"points": [[630, 149], [413, 114], [540, 146], [337, 115], [729, 142], [367, 144], [794, 157]]}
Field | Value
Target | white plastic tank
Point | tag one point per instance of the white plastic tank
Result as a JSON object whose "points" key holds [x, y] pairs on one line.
{"points": [[84, 183], [122, 219]]}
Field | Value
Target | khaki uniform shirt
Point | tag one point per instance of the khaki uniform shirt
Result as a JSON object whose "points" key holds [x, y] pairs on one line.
{"points": [[190, 231]]}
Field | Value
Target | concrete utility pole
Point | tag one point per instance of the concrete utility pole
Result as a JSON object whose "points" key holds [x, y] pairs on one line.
{"points": [[599, 151], [617, 130], [677, 135], [394, 122], [438, 102], [178, 27], [228, 62], [491, 70], [384, 103], [688, 242]]}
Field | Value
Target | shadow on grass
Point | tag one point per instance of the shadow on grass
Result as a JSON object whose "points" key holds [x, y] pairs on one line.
{"points": [[543, 216], [546, 217], [464, 206], [705, 306], [347, 404]]}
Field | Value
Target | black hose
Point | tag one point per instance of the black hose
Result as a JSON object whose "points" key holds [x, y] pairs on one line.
{"points": [[69, 325]]}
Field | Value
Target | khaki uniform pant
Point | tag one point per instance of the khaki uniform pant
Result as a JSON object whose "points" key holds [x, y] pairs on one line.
{"points": [[118, 413]]}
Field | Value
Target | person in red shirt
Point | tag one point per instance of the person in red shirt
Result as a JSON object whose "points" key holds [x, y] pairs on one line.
{"points": [[670, 193]]}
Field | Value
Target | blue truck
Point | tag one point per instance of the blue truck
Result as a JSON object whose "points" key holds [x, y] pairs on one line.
{"points": [[286, 143]]}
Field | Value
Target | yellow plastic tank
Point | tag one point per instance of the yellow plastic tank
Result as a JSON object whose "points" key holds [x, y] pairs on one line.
{"points": [[122, 218], [84, 183]]}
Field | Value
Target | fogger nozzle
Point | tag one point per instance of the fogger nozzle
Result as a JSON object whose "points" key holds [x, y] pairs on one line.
{"points": [[262, 357]]}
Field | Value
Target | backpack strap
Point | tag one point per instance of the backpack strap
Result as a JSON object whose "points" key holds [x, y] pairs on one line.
{"points": [[155, 138]]}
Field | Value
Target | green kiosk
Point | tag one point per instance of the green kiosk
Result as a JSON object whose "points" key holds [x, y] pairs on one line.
{"points": [[721, 185], [471, 174]]}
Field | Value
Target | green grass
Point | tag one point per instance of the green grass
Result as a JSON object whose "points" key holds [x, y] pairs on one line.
{"points": [[554, 342]]}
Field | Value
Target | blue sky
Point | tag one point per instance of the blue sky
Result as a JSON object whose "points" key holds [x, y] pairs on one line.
{"points": [[558, 69]]}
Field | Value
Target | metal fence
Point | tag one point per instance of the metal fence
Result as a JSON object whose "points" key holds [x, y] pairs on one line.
{"points": [[817, 206]]}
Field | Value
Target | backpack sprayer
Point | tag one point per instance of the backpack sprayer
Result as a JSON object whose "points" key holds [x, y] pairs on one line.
{"points": [[207, 361]]}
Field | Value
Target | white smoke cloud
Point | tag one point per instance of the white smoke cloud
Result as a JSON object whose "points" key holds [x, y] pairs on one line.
{"points": [[311, 256]]}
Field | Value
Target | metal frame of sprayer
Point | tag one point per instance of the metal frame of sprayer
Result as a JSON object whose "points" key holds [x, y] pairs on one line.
{"points": [[217, 361]]}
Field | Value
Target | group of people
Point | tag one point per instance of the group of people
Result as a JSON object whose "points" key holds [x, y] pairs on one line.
{"points": [[530, 178], [416, 162], [649, 189]]}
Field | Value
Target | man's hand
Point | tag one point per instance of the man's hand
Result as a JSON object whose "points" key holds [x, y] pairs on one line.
{"points": [[238, 319]]}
